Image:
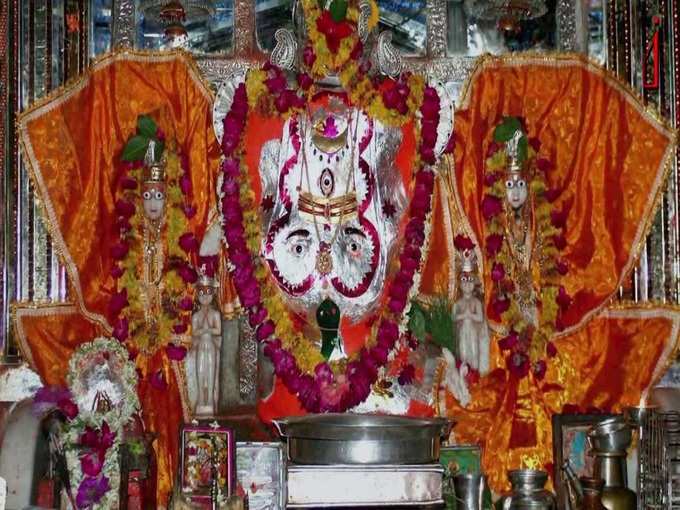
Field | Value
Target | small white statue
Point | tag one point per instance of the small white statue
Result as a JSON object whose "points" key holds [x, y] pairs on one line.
{"points": [[206, 332], [453, 380], [468, 313]]}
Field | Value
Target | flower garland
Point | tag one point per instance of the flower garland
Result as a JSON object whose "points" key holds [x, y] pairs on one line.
{"points": [[320, 386], [527, 345], [127, 305], [92, 437]]}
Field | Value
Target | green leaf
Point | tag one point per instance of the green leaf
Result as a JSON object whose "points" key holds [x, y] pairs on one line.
{"points": [[338, 10], [160, 147], [506, 129], [135, 148], [417, 322], [522, 149], [146, 126], [441, 324]]}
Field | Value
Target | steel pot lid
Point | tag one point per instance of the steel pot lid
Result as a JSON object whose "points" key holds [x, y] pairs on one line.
{"points": [[361, 427]]}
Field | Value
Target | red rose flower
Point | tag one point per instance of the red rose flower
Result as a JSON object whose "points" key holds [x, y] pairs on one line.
{"points": [[491, 206], [497, 272], [543, 165], [563, 299], [119, 250], [551, 350], [175, 352], [186, 304], [180, 328], [462, 243], [518, 364], [552, 194], [509, 342], [334, 31], [539, 369], [561, 267], [68, 407], [558, 218], [185, 184], [535, 144], [116, 271], [308, 56], [305, 81], [560, 242], [500, 305], [188, 242], [493, 244], [118, 301], [121, 329], [407, 375]]}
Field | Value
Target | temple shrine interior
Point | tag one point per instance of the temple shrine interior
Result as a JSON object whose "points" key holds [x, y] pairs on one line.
{"points": [[270, 254]]}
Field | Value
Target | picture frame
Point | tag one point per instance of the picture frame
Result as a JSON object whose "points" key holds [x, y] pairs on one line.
{"points": [[261, 474], [197, 444], [455, 459], [569, 432]]}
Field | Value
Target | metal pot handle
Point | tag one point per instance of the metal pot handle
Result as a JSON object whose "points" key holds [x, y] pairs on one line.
{"points": [[281, 426]]}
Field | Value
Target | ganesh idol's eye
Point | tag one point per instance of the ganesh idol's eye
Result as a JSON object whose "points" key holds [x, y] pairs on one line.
{"points": [[298, 242], [521, 183], [159, 195], [146, 195], [354, 241], [509, 184]]}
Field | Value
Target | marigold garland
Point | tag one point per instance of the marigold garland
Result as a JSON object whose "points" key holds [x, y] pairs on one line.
{"points": [[527, 346]]}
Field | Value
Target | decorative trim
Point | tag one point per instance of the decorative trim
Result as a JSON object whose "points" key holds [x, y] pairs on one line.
{"points": [[179, 368]]}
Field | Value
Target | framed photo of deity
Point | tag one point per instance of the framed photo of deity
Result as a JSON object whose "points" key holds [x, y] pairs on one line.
{"points": [[458, 459], [261, 474], [207, 453], [569, 433]]}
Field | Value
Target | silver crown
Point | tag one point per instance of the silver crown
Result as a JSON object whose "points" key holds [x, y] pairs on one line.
{"points": [[204, 280], [468, 260]]}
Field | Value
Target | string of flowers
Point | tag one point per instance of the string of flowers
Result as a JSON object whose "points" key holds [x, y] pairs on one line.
{"points": [[127, 306], [526, 345], [90, 438], [319, 385]]}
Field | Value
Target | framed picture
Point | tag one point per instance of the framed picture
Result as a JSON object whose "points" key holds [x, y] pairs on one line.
{"points": [[569, 433], [207, 450], [464, 458], [261, 473]]}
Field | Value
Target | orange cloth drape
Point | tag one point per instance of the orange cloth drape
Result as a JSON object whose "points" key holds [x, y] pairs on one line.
{"points": [[71, 143], [609, 157]]}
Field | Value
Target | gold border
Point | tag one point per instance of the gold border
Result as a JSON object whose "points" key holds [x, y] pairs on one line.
{"points": [[56, 99], [651, 115], [20, 310]]}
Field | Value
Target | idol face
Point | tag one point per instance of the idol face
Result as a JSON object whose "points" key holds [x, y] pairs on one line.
{"points": [[516, 191], [467, 284], [327, 236], [153, 197], [205, 295]]}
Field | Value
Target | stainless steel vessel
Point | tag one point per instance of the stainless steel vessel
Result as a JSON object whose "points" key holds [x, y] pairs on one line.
{"points": [[324, 439]]}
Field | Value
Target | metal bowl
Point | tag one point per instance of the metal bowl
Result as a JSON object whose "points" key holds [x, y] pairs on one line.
{"points": [[362, 439], [610, 436]]}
